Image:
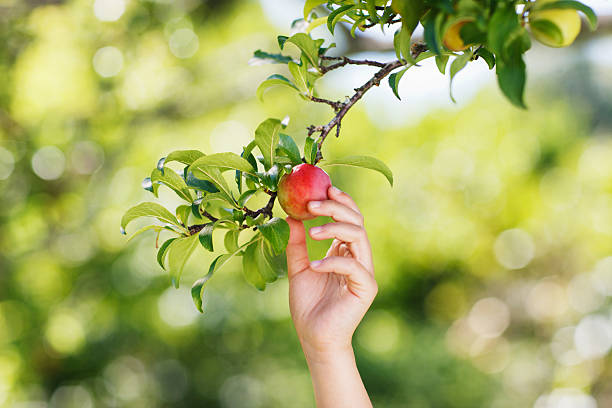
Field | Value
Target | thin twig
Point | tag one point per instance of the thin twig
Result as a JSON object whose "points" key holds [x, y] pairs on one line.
{"points": [[346, 61], [359, 92], [335, 105]]}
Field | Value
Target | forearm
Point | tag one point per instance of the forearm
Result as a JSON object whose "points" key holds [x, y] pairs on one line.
{"points": [[336, 380]]}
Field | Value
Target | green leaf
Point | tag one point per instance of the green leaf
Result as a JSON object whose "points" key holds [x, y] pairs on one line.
{"points": [[262, 57], [432, 26], [457, 65], [394, 81], [411, 12], [266, 137], [402, 42], [244, 197], [441, 61], [224, 161], [270, 178], [179, 252], [570, 4], [212, 174], [197, 290], [246, 154], [272, 81], [282, 39], [549, 29], [198, 184], [276, 232], [220, 198], [371, 7], [263, 258], [171, 179], [184, 156], [299, 76], [290, 148], [309, 47], [358, 24], [487, 56], [309, 147], [230, 241], [250, 267], [365, 162], [336, 15], [504, 26], [206, 236], [311, 4], [511, 78], [148, 210], [182, 213], [147, 184], [161, 253], [156, 228], [259, 266]]}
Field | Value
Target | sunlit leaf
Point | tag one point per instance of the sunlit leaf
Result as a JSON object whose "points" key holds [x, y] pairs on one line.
{"points": [[276, 232], [266, 137], [148, 210], [272, 81], [367, 162], [224, 161], [179, 252]]}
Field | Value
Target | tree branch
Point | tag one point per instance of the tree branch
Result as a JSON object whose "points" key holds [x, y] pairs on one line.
{"points": [[345, 61], [359, 92], [266, 210]]}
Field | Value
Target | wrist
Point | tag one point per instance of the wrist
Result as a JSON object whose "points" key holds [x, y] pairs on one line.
{"points": [[325, 354]]}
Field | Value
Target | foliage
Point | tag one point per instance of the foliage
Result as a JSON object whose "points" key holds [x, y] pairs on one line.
{"points": [[493, 30]]}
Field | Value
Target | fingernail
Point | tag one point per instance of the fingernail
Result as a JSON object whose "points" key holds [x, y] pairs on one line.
{"points": [[315, 230], [335, 190], [314, 204], [315, 264]]}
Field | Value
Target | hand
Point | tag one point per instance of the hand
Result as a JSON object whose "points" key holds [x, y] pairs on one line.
{"points": [[328, 298]]}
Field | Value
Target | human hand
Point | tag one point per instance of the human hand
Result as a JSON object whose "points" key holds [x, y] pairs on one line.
{"points": [[328, 298]]}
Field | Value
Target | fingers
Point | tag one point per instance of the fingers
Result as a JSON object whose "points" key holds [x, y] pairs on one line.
{"points": [[343, 198], [361, 283], [297, 253], [338, 211], [352, 234]]}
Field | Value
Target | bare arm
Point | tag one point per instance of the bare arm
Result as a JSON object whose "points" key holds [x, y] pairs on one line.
{"points": [[328, 299]]}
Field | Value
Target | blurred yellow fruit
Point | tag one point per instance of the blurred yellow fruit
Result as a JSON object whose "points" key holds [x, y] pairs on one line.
{"points": [[567, 20], [452, 39]]}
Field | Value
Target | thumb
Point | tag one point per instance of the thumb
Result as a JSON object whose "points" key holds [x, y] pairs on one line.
{"points": [[297, 254]]}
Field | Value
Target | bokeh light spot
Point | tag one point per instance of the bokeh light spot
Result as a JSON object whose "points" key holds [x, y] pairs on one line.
{"points": [[176, 308], [547, 300], [241, 391], [71, 397], [380, 332], [108, 62], [48, 163], [184, 43], [593, 337], [7, 163], [602, 276], [109, 10], [65, 333], [125, 378], [566, 398], [514, 249], [489, 317]]}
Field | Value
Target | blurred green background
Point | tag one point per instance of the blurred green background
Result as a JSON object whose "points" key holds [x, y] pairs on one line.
{"points": [[493, 250]]}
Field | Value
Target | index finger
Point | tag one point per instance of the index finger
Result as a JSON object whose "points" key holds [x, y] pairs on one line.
{"points": [[343, 198]]}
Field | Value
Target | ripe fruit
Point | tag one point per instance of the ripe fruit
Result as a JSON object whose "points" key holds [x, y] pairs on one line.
{"points": [[452, 39], [305, 183], [566, 20]]}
